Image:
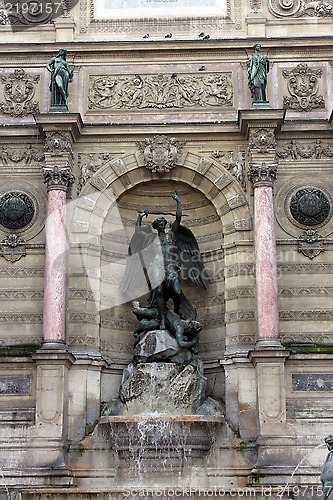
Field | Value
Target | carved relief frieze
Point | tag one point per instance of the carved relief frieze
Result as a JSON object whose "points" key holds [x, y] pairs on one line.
{"points": [[26, 155], [160, 91], [19, 90], [301, 8], [234, 161], [303, 88], [294, 150], [160, 154]]}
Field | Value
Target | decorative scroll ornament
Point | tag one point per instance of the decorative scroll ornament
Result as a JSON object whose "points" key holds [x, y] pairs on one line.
{"points": [[16, 210], [25, 156], [12, 249], [300, 8], [310, 206], [262, 173], [296, 151], [255, 6], [160, 91], [19, 90], [262, 139], [235, 163], [303, 87], [309, 243], [160, 154], [57, 143], [58, 178]]}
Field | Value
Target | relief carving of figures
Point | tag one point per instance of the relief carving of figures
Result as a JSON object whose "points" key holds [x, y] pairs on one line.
{"points": [[303, 86], [88, 165], [160, 91], [300, 8], [160, 154], [19, 91], [235, 163], [26, 156], [296, 151]]}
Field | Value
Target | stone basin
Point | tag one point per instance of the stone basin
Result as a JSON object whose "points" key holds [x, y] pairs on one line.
{"points": [[161, 437]]}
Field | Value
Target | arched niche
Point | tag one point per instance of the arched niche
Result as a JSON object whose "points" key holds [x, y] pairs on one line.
{"points": [[103, 221]]}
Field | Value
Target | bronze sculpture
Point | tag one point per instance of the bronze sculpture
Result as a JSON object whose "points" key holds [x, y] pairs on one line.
{"points": [[257, 70], [158, 259], [327, 470], [61, 76]]}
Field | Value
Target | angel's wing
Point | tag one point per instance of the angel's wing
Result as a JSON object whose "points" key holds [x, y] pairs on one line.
{"points": [[141, 254], [189, 256]]}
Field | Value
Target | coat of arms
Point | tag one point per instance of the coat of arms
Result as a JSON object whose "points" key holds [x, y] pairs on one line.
{"points": [[19, 90], [160, 154]]}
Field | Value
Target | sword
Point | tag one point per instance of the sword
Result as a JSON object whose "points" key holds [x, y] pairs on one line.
{"points": [[149, 212]]}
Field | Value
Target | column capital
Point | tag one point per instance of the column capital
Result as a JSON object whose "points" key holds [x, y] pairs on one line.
{"points": [[262, 174], [60, 178]]}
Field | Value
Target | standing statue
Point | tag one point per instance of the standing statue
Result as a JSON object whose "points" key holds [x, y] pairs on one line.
{"points": [[61, 76], [257, 70], [327, 470], [158, 259]]}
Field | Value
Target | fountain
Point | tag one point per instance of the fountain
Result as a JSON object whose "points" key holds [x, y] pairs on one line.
{"points": [[162, 426]]}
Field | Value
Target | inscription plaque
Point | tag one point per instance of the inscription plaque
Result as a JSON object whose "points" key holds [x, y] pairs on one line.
{"points": [[109, 9], [18, 385], [312, 381]]}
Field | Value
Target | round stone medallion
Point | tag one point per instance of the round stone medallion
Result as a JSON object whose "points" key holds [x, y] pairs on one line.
{"points": [[310, 206], [16, 210]]}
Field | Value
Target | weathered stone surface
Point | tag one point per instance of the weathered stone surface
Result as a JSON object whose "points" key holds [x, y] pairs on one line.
{"points": [[159, 345], [163, 388]]}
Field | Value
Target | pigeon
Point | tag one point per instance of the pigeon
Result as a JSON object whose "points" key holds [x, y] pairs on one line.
{"points": [[206, 37], [169, 35], [202, 68], [146, 36], [201, 34], [174, 75]]}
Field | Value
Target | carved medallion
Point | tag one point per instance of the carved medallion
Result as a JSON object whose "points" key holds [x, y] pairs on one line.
{"points": [[303, 86], [309, 243], [160, 154], [262, 139], [57, 143], [19, 90], [12, 248], [16, 210], [310, 206], [300, 8]]}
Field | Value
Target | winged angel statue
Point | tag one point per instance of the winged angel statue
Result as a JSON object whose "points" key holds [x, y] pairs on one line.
{"points": [[156, 261]]}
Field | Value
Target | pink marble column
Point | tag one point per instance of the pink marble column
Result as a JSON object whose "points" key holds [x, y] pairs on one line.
{"points": [[58, 181], [262, 176]]}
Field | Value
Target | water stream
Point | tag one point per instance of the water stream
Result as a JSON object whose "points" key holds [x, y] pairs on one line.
{"points": [[280, 495]]}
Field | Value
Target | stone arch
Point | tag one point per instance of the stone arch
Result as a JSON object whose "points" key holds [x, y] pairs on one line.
{"points": [[98, 201]]}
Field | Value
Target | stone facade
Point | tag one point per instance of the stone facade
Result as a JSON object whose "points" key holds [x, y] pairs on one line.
{"points": [[149, 114]]}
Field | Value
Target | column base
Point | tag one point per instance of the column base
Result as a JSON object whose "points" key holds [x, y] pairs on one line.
{"points": [[57, 345], [268, 343]]}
